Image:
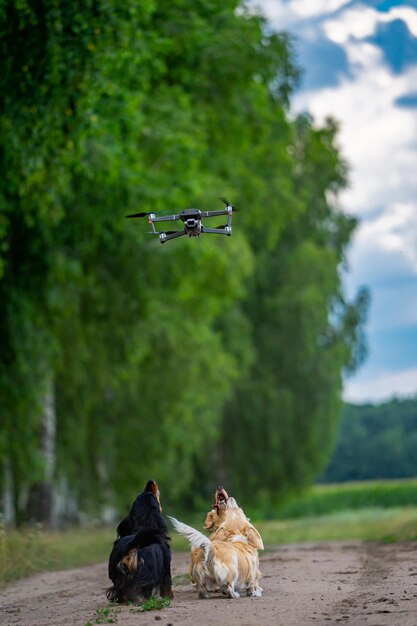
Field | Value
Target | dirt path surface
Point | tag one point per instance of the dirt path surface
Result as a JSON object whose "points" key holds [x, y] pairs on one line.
{"points": [[329, 583]]}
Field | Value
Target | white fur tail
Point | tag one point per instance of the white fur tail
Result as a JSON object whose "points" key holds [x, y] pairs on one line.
{"points": [[196, 539]]}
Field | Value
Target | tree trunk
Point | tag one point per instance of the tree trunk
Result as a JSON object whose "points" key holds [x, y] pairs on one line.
{"points": [[40, 506]]}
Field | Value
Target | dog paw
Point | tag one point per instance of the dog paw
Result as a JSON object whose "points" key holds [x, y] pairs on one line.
{"points": [[257, 593]]}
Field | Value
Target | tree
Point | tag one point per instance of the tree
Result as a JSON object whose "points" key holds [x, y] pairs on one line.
{"points": [[283, 416]]}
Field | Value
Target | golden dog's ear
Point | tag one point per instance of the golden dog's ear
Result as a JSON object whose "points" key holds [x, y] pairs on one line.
{"points": [[254, 538], [210, 520]]}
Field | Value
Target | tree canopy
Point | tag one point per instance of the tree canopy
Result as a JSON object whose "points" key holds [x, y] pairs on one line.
{"points": [[188, 360]]}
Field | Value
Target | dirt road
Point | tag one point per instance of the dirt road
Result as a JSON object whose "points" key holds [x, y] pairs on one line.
{"points": [[361, 584]]}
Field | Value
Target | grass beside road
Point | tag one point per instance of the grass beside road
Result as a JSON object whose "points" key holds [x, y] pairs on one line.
{"points": [[27, 551], [370, 524]]}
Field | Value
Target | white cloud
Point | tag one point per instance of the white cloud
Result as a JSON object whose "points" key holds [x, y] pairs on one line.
{"points": [[377, 137], [393, 231], [381, 388], [286, 15], [307, 8], [358, 22], [407, 14], [280, 15]]}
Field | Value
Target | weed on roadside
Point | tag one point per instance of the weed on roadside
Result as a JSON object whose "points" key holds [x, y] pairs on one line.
{"points": [[180, 579], [152, 604], [109, 614], [104, 616]]}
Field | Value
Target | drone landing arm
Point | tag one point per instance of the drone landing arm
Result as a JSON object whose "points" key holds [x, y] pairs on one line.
{"points": [[164, 237], [219, 231]]}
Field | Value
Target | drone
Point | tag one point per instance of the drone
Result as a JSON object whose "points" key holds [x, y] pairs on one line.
{"points": [[192, 220]]}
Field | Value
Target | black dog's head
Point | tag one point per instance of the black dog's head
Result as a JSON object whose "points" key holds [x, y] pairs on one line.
{"points": [[145, 512]]}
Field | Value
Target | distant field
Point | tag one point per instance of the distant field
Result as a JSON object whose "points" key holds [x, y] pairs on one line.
{"points": [[384, 511], [324, 499], [371, 524]]}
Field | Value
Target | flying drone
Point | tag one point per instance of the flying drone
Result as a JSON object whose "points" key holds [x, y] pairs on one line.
{"points": [[192, 220]]}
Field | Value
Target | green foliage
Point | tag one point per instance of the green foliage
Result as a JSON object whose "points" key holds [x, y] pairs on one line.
{"points": [[375, 442], [160, 357]]}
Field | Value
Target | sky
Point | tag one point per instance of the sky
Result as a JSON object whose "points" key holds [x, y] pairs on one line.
{"points": [[359, 62]]}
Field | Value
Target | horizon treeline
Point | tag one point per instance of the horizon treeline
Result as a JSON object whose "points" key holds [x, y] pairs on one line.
{"points": [[201, 361], [375, 441]]}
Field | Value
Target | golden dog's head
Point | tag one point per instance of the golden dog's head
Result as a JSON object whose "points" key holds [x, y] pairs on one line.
{"points": [[235, 526], [215, 516]]}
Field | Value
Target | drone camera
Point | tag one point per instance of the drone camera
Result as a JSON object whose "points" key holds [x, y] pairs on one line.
{"points": [[191, 222]]}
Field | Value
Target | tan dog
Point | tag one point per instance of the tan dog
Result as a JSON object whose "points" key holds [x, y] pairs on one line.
{"points": [[228, 561]]}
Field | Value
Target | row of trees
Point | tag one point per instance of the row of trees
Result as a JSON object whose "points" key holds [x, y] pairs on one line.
{"points": [[122, 359], [375, 441]]}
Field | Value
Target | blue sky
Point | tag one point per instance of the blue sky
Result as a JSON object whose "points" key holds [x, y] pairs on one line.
{"points": [[360, 66]]}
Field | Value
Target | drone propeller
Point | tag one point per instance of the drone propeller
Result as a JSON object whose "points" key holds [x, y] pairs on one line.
{"points": [[228, 204], [138, 214]]}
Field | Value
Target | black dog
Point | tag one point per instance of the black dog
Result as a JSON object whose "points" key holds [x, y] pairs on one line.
{"points": [[140, 562]]}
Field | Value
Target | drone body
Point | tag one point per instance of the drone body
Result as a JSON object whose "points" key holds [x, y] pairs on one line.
{"points": [[192, 221]]}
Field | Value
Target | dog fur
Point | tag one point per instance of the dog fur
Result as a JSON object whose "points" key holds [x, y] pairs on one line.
{"points": [[140, 561]]}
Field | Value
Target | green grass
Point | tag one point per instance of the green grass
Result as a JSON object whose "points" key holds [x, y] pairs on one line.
{"points": [[370, 524], [104, 616], [324, 499], [25, 552], [111, 614], [155, 604]]}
